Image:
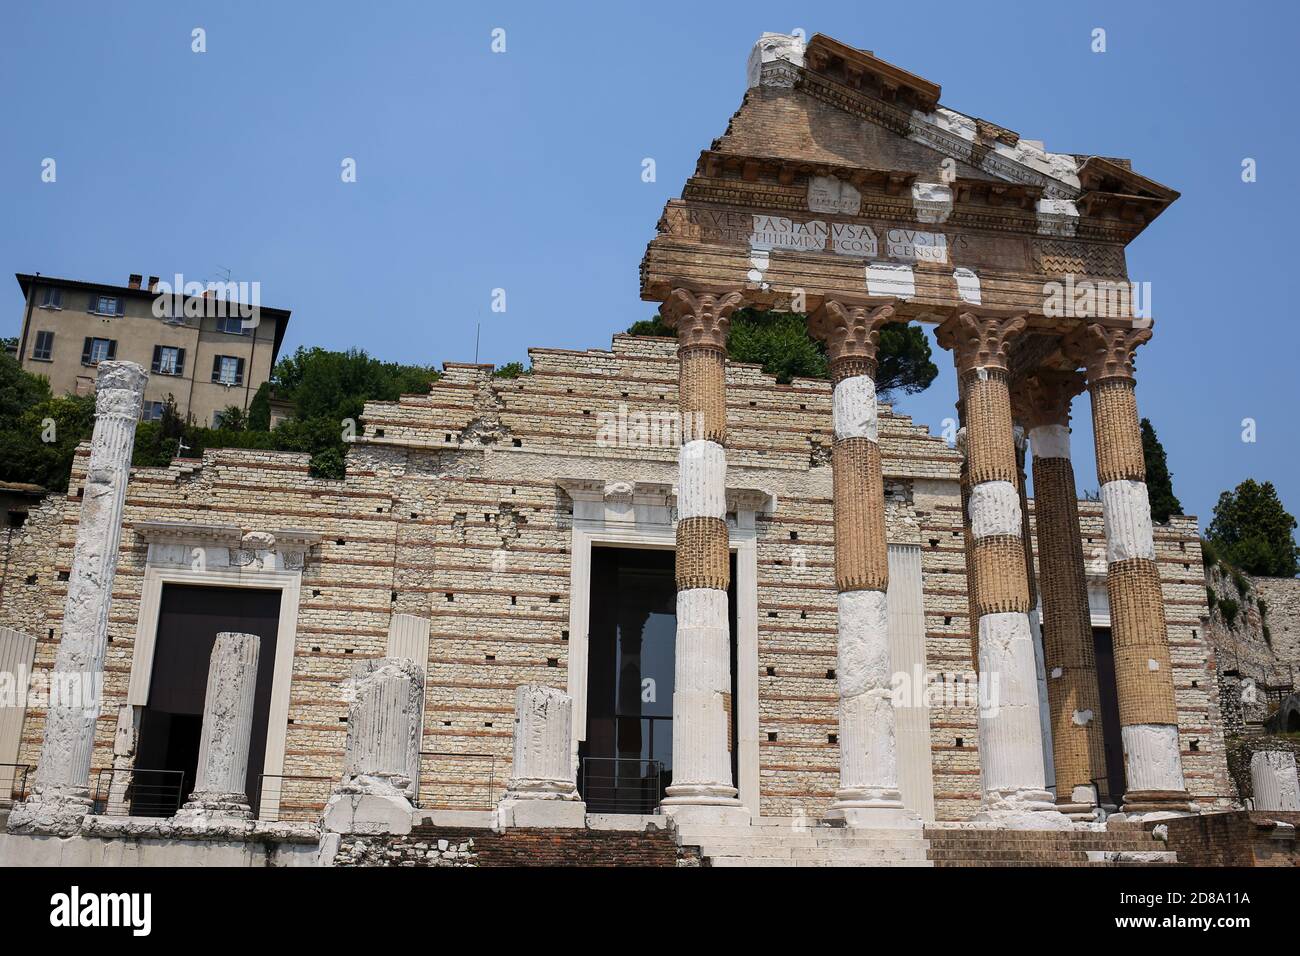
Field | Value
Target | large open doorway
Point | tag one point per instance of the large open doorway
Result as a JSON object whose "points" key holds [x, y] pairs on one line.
{"points": [[1112, 788], [167, 752], [626, 760]]}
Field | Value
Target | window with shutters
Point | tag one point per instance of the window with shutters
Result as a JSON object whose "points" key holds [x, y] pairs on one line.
{"points": [[95, 351], [52, 298], [228, 370], [168, 360], [43, 350]]}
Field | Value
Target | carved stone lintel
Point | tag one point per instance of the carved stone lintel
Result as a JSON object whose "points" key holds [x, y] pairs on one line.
{"points": [[702, 319], [979, 340], [1043, 397], [851, 330], [1105, 352]]}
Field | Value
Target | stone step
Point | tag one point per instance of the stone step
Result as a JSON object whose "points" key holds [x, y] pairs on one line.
{"points": [[738, 861], [809, 852], [757, 839]]}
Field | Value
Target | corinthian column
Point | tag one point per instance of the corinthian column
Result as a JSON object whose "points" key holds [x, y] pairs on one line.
{"points": [[1010, 735], [1073, 700], [1144, 682], [702, 735], [868, 793], [220, 782], [60, 795]]}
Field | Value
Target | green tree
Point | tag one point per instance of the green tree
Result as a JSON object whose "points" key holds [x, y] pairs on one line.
{"points": [[779, 341], [1160, 483], [1252, 531]]}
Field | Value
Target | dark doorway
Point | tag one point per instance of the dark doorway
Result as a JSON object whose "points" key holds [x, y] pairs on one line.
{"points": [[626, 760], [1112, 788], [189, 619]]}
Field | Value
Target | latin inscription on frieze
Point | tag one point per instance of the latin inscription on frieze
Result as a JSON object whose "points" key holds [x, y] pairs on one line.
{"points": [[758, 231]]}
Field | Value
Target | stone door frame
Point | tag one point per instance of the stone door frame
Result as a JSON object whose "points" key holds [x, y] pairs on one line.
{"points": [[231, 560], [640, 515]]}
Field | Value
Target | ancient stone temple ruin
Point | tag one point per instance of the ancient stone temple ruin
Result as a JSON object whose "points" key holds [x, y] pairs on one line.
{"points": [[650, 598]]}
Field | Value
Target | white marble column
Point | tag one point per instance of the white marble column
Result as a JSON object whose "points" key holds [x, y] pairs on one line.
{"points": [[60, 794], [542, 790], [382, 753], [220, 783], [1273, 778]]}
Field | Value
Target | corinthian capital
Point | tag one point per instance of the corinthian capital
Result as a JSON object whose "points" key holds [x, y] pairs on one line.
{"points": [[851, 330], [701, 319], [979, 340], [1043, 397], [1105, 352]]}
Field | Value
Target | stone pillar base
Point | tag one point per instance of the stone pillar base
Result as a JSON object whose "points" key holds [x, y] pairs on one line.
{"points": [[53, 810], [733, 814], [1082, 812], [1155, 805], [1022, 810], [368, 813], [856, 809], [206, 809], [522, 811]]}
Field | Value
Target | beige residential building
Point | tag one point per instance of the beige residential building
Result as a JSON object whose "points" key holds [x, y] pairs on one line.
{"points": [[205, 353]]}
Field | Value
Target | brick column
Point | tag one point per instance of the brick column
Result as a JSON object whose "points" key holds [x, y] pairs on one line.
{"points": [[60, 796], [868, 793], [1010, 735], [702, 784], [1144, 682], [1043, 404]]}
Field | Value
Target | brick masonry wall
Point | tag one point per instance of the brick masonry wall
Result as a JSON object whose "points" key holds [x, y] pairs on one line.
{"points": [[451, 511], [1238, 838], [446, 846]]}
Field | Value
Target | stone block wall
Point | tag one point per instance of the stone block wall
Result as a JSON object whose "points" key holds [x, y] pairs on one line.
{"points": [[452, 847], [450, 510]]}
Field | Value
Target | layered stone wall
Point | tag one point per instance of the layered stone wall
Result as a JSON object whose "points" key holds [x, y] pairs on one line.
{"points": [[451, 511]]}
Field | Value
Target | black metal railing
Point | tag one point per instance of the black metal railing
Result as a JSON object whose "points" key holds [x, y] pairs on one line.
{"points": [[621, 784], [138, 793], [289, 798], [13, 782], [456, 781]]}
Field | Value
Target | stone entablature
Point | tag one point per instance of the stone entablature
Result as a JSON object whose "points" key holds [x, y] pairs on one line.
{"points": [[183, 544]]}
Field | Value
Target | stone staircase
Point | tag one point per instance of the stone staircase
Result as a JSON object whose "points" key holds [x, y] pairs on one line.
{"points": [[783, 841], [956, 846]]}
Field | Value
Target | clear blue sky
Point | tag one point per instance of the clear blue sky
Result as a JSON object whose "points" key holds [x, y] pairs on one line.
{"points": [[522, 170]]}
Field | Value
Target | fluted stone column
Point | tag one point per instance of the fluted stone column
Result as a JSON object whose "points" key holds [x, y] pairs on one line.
{"points": [[1273, 779], [542, 790], [1074, 702], [702, 784], [60, 794], [1010, 735], [382, 753], [868, 792], [1144, 680], [221, 780]]}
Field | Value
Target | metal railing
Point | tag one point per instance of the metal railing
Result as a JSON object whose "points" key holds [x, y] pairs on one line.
{"points": [[289, 798], [443, 786], [621, 784], [13, 782], [138, 793]]}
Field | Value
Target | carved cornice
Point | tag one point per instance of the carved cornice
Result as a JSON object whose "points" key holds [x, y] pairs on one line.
{"points": [[1043, 397], [980, 339], [851, 328], [700, 318], [1105, 351]]}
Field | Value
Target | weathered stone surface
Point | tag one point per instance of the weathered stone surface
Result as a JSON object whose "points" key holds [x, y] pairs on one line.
{"points": [[60, 793], [1273, 775], [220, 782]]}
